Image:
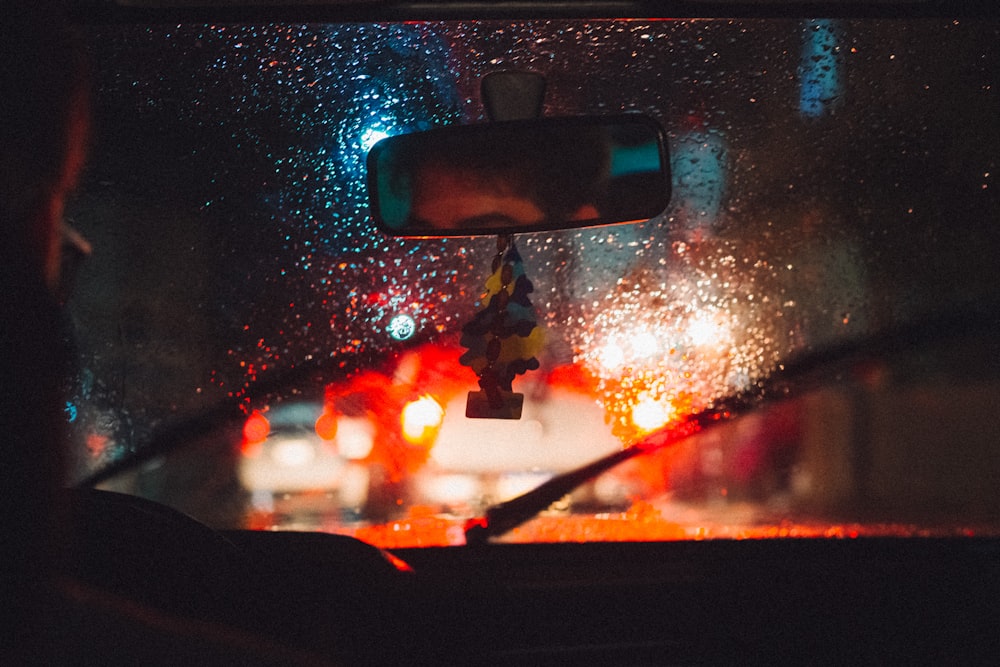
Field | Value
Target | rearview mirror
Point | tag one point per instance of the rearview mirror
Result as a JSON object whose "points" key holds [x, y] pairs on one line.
{"points": [[519, 176]]}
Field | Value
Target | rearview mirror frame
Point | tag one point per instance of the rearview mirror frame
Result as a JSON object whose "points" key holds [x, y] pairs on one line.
{"points": [[520, 176]]}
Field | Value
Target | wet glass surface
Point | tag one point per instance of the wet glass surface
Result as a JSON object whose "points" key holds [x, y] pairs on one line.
{"points": [[830, 179]]}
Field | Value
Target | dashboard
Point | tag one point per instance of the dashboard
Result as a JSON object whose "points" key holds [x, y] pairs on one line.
{"points": [[872, 600]]}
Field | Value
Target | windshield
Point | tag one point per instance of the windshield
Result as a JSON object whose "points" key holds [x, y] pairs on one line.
{"points": [[831, 180]]}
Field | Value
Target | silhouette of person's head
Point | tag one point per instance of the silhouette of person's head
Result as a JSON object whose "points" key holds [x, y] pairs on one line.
{"points": [[43, 128]]}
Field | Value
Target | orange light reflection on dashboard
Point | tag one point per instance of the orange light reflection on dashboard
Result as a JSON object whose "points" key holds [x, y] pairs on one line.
{"points": [[642, 522]]}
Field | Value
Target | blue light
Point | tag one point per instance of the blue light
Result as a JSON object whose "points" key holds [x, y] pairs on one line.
{"points": [[642, 159], [370, 137], [402, 327], [698, 162], [819, 73], [71, 412]]}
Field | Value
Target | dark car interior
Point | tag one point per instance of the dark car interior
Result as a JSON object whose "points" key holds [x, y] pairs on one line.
{"points": [[846, 599], [874, 599]]}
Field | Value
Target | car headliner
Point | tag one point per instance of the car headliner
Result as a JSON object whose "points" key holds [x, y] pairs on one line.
{"points": [[153, 11]]}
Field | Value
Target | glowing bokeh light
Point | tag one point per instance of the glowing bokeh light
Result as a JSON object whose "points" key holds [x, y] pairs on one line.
{"points": [[326, 425], [370, 137], [650, 413], [402, 327], [355, 437], [293, 453], [611, 356], [256, 428], [420, 418], [644, 344], [705, 329]]}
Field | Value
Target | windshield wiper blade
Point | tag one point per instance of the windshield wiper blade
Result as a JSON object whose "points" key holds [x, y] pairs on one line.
{"points": [[786, 382], [176, 434], [506, 516]]}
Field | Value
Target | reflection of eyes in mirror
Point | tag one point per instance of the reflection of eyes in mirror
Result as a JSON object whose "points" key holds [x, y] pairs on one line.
{"points": [[528, 175], [454, 199], [446, 197]]}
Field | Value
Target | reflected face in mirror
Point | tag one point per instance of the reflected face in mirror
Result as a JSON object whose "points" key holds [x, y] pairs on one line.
{"points": [[521, 176], [453, 199]]}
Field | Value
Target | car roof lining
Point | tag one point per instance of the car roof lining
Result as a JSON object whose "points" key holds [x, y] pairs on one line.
{"points": [[197, 11]]}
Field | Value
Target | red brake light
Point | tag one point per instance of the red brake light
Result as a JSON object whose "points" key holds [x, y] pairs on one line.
{"points": [[256, 429], [326, 425]]}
